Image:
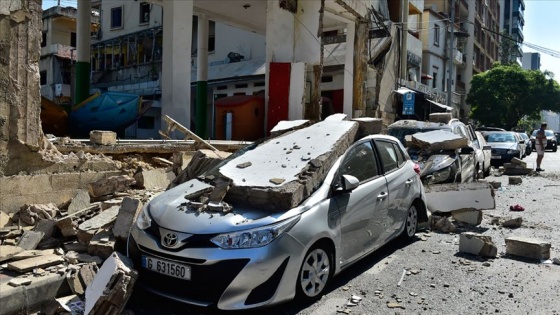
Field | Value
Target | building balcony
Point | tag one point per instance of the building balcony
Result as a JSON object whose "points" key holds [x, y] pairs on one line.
{"points": [[59, 50], [457, 57]]}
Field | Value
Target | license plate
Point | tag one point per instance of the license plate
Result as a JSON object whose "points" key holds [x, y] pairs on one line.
{"points": [[496, 156], [167, 267]]}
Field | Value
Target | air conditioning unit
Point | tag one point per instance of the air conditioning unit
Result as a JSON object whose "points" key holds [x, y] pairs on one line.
{"points": [[58, 89]]}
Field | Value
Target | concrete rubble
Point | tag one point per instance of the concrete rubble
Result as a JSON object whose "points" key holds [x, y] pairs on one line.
{"points": [[460, 196], [102, 137], [516, 167], [438, 140], [527, 247], [477, 244]]}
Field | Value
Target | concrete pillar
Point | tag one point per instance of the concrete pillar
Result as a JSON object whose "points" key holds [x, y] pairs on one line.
{"points": [[349, 69], [469, 54], [360, 69], [176, 65], [202, 76], [83, 66]]}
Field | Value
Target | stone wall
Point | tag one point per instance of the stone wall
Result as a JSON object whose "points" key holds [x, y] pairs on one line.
{"points": [[20, 128]]}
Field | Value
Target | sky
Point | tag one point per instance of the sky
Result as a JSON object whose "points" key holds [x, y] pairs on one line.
{"points": [[542, 24]]}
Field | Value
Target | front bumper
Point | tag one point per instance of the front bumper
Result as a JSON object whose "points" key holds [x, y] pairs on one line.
{"points": [[227, 279]]}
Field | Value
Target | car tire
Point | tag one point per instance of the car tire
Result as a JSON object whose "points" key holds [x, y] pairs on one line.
{"points": [[555, 149], [315, 273], [411, 224]]}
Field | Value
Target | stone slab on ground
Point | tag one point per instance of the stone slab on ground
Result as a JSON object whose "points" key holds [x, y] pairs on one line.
{"points": [[438, 140], [40, 292], [112, 286], [471, 217], [477, 244], [26, 265], [80, 201], [104, 218], [110, 185], [26, 254], [9, 251], [45, 226], [307, 154], [154, 179], [30, 239], [125, 218], [527, 247], [102, 137], [460, 196]]}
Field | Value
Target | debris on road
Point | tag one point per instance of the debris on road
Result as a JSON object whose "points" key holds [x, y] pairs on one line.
{"points": [[477, 244], [471, 217], [527, 247], [460, 196]]}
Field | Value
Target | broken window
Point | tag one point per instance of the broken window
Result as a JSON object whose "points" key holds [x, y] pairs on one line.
{"points": [[360, 162], [289, 5]]}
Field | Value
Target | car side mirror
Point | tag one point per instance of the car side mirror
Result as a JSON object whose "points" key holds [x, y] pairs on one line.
{"points": [[349, 183], [466, 150], [486, 147]]}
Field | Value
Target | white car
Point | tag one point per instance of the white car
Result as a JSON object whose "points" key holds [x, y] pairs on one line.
{"points": [[483, 153]]}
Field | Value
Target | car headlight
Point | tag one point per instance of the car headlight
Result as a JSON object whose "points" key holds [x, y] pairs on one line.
{"points": [[143, 220], [255, 237], [441, 175], [513, 152]]}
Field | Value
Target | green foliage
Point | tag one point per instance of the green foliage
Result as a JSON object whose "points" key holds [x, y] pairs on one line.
{"points": [[505, 94], [508, 49]]}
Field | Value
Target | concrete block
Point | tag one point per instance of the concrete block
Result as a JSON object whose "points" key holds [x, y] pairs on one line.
{"points": [[19, 281], [26, 265], [127, 212], [9, 251], [38, 293], [75, 284], [368, 126], [515, 180], [440, 117], [180, 160], [439, 140], [30, 239], [443, 225], [5, 219], [75, 247], [46, 226], [201, 161], [108, 186], [516, 161], [112, 286], [477, 244], [512, 223], [154, 179], [471, 217], [104, 218], [80, 201], [527, 247], [102, 137], [75, 258], [102, 244], [85, 236]]}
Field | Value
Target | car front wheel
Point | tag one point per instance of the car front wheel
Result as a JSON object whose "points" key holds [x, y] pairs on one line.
{"points": [[315, 273]]}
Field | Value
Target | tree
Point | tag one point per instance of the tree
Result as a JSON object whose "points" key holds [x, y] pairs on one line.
{"points": [[505, 94], [507, 49]]}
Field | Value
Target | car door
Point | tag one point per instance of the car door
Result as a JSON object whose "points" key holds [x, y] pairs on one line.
{"points": [[362, 211], [399, 184], [468, 160], [486, 150]]}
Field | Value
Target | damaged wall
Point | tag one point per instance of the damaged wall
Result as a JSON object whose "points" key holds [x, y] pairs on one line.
{"points": [[389, 70], [21, 136]]}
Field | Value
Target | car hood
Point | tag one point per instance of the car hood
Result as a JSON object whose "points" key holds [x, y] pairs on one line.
{"points": [[435, 163], [503, 145], [171, 210]]}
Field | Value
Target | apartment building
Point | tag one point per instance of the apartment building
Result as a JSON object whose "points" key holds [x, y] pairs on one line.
{"points": [[513, 22], [58, 46], [531, 61]]}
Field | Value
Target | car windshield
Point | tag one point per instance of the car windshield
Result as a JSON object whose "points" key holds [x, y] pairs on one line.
{"points": [[548, 133], [400, 133], [499, 137]]}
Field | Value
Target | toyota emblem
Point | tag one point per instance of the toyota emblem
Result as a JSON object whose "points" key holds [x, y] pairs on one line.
{"points": [[170, 240]]}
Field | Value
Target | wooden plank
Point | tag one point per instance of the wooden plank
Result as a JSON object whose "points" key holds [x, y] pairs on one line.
{"points": [[36, 262]]}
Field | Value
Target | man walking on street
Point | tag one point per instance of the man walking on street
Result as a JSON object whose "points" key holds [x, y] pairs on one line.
{"points": [[540, 144]]}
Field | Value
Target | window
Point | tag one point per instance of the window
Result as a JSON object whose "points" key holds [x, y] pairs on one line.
{"points": [[44, 39], [43, 75], [436, 35], [144, 13], [116, 18], [73, 41], [360, 162], [146, 122], [434, 79], [389, 157]]}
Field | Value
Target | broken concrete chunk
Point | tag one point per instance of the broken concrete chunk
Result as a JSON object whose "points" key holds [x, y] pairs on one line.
{"points": [[75, 258], [527, 247], [110, 185], [516, 161], [30, 239], [285, 126], [440, 117], [154, 179], [32, 254], [443, 225], [102, 137], [477, 244], [111, 287], [244, 165], [277, 181], [67, 226], [26, 265], [127, 212], [102, 219], [513, 223], [75, 284], [45, 226], [19, 281], [471, 217], [5, 220], [438, 140], [8, 251], [102, 244], [201, 161], [495, 185], [80, 201], [87, 273], [459, 196], [220, 190]]}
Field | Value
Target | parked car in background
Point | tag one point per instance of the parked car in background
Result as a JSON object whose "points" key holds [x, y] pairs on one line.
{"points": [[443, 166], [506, 145], [551, 142], [528, 143], [250, 257], [522, 144], [483, 153]]}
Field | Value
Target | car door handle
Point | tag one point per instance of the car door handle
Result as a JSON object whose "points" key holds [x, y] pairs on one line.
{"points": [[408, 182], [382, 196]]}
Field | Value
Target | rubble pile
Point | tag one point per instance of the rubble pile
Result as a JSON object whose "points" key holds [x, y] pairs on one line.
{"points": [[65, 248]]}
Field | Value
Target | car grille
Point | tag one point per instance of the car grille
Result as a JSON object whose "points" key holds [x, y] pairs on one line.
{"points": [[195, 241], [207, 284]]}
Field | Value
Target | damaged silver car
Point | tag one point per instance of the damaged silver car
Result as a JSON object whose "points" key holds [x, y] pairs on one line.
{"points": [[278, 219]]}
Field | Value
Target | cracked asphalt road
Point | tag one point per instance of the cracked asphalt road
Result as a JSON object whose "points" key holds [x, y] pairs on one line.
{"points": [[438, 279]]}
